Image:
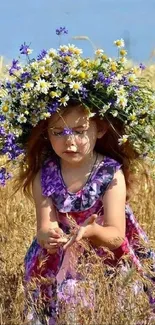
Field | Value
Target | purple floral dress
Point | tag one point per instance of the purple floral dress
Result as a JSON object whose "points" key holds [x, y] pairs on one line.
{"points": [[79, 206]]}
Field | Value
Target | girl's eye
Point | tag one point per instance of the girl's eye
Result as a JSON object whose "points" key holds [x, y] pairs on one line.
{"points": [[57, 134], [80, 132]]}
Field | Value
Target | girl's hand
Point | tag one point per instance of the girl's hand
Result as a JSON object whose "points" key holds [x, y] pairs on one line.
{"points": [[86, 230], [51, 239]]}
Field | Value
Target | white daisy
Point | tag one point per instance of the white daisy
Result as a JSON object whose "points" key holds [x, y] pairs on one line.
{"points": [[42, 86], [75, 86], [64, 100], [123, 139], [21, 118]]}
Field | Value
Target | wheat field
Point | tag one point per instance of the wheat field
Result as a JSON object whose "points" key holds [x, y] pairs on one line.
{"points": [[17, 228]]}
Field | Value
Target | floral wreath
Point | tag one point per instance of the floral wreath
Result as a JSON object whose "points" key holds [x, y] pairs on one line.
{"points": [[105, 86]]}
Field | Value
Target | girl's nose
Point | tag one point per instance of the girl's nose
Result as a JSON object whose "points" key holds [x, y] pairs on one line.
{"points": [[70, 139]]}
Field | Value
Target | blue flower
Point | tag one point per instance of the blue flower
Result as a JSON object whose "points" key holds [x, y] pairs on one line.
{"points": [[25, 75], [18, 85], [52, 108], [142, 66], [67, 131], [4, 176], [101, 77], [41, 55], [2, 118], [84, 92], [15, 66], [134, 89], [2, 131], [61, 31], [8, 85], [24, 49], [105, 80]]}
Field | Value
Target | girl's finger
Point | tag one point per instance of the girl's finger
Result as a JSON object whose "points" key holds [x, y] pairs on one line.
{"points": [[51, 246], [80, 234], [70, 242], [53, 234]]}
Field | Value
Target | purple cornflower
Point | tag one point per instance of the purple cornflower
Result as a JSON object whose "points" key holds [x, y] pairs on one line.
{"points": [[124, 81], [63, 54], [18, 85], [24, 49], [2, 130], [25, 75], [15, 66], [105, 80], [10, 147], [142, 66], [52, 108], [61, 31], [101, 77], [134, 89], [4, 176], [2, 118], [41, 55], [67, 131], [8, 85], [84, 92]]}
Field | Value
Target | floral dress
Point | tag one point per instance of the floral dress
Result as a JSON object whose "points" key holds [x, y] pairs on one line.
{"points": [[56, 269]]}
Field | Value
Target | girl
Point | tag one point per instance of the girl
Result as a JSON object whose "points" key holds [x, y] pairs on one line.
{"points": [[85, 123], [86, 177]]}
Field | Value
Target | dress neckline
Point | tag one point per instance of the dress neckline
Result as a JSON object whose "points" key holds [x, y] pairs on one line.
{"points": [[95, 168]]}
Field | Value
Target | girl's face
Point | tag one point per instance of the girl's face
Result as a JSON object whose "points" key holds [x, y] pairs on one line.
{"points": [[83, 133]]}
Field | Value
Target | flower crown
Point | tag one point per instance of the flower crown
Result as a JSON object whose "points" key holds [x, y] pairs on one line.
{"points": [[45, 85]]}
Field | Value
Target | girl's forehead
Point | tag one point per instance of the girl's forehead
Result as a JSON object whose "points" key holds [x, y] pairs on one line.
{"points": [[71, 118]]}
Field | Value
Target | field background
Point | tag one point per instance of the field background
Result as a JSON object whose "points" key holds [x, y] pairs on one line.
{"points": [[17, 228]]}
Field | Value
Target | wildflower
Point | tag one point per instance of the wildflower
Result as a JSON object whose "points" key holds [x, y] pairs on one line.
{"points": [[119, 43], [123, 139], [2, 118], [4, 176], [21, 118], [15, 67], [52, 108], [52, 53], [24, 49], [67, 131], [99, 52], [142, 66], [133, 116], [41, 55], [61, 31], [122, 101], [113, 66], [54, 94], [25, 75], [24, 98], [5, 108], [28, 85], [75, 86], [64, 100], [42, 86], [123, 52], [131, 78]]}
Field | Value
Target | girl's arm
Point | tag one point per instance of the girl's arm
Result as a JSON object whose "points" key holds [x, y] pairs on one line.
{"points": [[112, 233], [45, 211]]}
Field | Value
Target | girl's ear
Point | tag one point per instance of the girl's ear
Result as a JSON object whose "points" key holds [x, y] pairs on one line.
{"points": [[102, 127]]}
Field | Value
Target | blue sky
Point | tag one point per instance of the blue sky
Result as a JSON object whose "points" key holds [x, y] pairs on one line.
{"points": [[35, 21]]}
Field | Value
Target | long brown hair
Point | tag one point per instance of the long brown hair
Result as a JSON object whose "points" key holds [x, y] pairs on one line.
{"points": [[38, 149]]}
